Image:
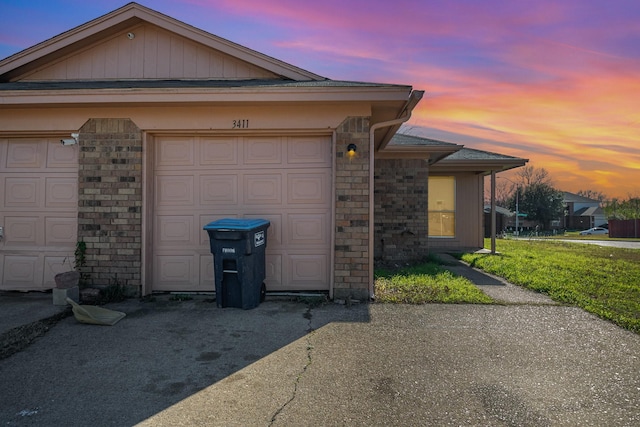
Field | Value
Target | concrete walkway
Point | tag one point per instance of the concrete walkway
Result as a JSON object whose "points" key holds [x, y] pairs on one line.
{"points": [[494, 286], [183, 363]]}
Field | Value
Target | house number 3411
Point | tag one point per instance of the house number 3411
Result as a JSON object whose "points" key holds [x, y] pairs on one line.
{"points": [[240, 124]]}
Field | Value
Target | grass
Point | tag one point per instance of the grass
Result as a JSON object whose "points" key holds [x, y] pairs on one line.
{"points": [[426, 283], [601, 280]]}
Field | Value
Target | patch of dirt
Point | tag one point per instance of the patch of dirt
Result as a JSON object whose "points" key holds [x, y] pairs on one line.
{"points": [[19, 338]]}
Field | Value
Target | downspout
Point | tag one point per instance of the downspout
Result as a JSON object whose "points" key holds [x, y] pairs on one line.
{"points": [[414, 98]]}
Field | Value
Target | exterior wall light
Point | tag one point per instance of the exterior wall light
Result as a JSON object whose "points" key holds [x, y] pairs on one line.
{"points": [[351, 150], [70, 141]]}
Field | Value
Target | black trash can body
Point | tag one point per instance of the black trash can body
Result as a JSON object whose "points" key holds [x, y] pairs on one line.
{"points": [[238, 248]]}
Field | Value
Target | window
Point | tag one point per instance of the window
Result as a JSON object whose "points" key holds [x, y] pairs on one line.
{"points": [[442, 206]]}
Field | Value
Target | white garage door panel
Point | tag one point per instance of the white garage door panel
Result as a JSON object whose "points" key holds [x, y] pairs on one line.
{"points": [[22, 192], [61, 192], [38, 210], [308, 271], [173, 272], [308, 188], [175, 230], [263, 189], [175, 152], [60, 231], [285, 180], [22, 271], [24, 153], [61, 156], [263, 151], [174, 191], [218, 189], [308, 229], [21, 231], [307, 151], [40, 231]]}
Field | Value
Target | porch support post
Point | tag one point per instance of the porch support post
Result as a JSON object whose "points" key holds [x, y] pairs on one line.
{"points": [[493, 212]]}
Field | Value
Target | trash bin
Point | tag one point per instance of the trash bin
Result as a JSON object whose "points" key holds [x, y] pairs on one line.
{"points": [[238, 248]]}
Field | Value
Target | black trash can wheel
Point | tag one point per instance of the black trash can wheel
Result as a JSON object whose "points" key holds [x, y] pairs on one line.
{"points": [[263, 292]]}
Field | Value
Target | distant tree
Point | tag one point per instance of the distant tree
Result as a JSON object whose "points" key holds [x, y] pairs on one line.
{"points": [[541, 202], [623, 209], [531, 175], [504, 191], [532, 190], [593, 195]]}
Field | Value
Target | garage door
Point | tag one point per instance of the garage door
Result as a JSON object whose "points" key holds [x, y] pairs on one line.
{"points": [[284, 179], [38, 211]]}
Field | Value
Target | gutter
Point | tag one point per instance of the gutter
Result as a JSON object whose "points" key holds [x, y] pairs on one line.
{"points": [[414, 98]]}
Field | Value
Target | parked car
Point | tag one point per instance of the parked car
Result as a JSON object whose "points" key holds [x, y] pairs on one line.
{"points": [[594, 230]]}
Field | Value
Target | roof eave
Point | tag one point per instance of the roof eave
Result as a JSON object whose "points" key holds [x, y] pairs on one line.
{"points": [[478, 166], [191, 95]]}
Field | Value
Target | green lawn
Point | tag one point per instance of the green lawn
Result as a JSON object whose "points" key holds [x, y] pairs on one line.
{"points": [[426, 283], [603, 281]]}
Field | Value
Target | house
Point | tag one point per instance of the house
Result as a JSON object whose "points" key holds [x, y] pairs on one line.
{"points": [[132, 131], [504, 219], [582, 213]]}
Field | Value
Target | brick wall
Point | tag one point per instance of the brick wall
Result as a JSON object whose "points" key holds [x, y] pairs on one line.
{"points": [[352, 211], [401, 216], [110, 202]]}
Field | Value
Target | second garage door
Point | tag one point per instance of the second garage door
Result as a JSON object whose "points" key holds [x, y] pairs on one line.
{"points": [[38, 211], [284, 179]]}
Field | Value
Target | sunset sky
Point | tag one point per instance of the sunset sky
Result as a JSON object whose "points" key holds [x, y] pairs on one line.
{"points": [[554, 81]]}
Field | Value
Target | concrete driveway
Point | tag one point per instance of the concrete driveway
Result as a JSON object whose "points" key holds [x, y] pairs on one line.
{"points": [[285, 363]]}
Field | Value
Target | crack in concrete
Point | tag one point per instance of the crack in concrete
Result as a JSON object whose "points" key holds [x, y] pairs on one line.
{"points": [[17, 339], [310, 330]]}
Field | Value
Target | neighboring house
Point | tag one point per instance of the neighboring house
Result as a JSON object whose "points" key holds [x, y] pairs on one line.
{"points": [[582, 213], [444, 214], [504, 219], [167, 127]]}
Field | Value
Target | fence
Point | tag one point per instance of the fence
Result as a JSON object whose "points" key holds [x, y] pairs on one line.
{"points": [[624, 228]]}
